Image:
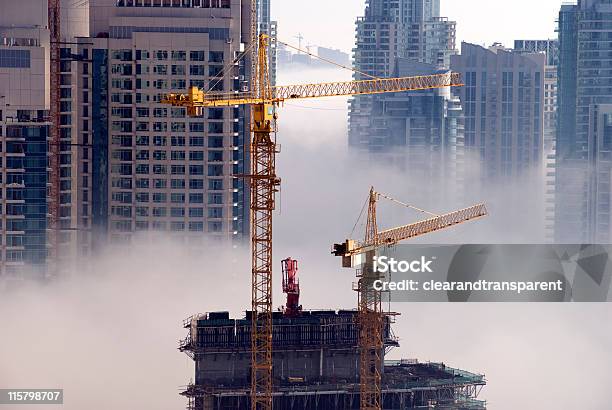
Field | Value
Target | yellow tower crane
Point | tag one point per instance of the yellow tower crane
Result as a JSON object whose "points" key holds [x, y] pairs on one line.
{"points": [[371, 315], [263, 99]]}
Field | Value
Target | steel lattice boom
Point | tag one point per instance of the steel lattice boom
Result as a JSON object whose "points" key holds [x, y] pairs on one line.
{"points": [[395, 235], [198, 98]]}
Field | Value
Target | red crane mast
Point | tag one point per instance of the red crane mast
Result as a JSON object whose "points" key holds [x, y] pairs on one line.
{"points": [[291, 286]]}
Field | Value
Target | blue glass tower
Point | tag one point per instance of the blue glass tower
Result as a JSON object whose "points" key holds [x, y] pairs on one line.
{"points": [[584, 134]]}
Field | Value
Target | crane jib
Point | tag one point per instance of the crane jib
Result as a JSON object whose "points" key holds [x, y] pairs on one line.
{"points": [[376, 86], [395, 235], [198, 98]]}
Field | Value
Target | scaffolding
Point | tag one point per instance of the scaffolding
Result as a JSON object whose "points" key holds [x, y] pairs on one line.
{"points": [[405, 386], [323, 328], [323, 346]]}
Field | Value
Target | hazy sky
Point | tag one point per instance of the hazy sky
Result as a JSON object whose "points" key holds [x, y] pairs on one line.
{"points": [[331, 23]]}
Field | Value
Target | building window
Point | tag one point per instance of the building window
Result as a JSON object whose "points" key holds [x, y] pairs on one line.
{"points": [[178, 169], [14, 58], [159, 183], [197, 55], [215, 170], [215, 212], [178, 198], [215, 184], [196, 156], [178, 69], [159, 141], [160, 55], [142, 225], [159, 212], [215, 56], [215, 199], [177, 184], [177, 155], [196, 184], [196, 226], [159, 197], [160, 169], [196, 212], [196, 170], [215, 226], [159, 155], [179, 55], [177, 141], [196, 198], [142, 168], [177, 212], [177, 226], [196, 141], [142, 183]]}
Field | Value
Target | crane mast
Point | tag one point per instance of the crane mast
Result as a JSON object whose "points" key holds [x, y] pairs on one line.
{"points": [[263, 183], [263, 100], [291, 286], [370, 320], [54, 143]]}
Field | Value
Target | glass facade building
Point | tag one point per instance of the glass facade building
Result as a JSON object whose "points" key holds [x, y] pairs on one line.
{"points": [[154, 167], [24, 130], [503, 103], [24, 196], [551, 49], [583, 157], [391, 30]]}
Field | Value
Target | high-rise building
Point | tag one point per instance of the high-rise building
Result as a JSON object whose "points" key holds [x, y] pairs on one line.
{"points": [[394, 29], [551, 49], [438, 41], [24, 131], [267, 26], [419, 132], [335, 55], [316, 366], [152, 166], [503, 103], [273, 51], [391, 30], [127, 162], [584, 137]]}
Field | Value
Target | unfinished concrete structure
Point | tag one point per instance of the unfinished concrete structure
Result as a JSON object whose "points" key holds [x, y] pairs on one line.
{"points": [[316, 366]]}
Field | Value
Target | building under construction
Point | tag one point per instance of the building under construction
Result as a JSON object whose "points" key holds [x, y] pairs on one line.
{"points": [[316, 366], [316, 363]]}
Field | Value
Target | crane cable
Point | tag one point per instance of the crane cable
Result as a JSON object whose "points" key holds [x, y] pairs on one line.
{"points": [[328, 61], [392, 200], [406, 205], [222, 73], [359, 217]]}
